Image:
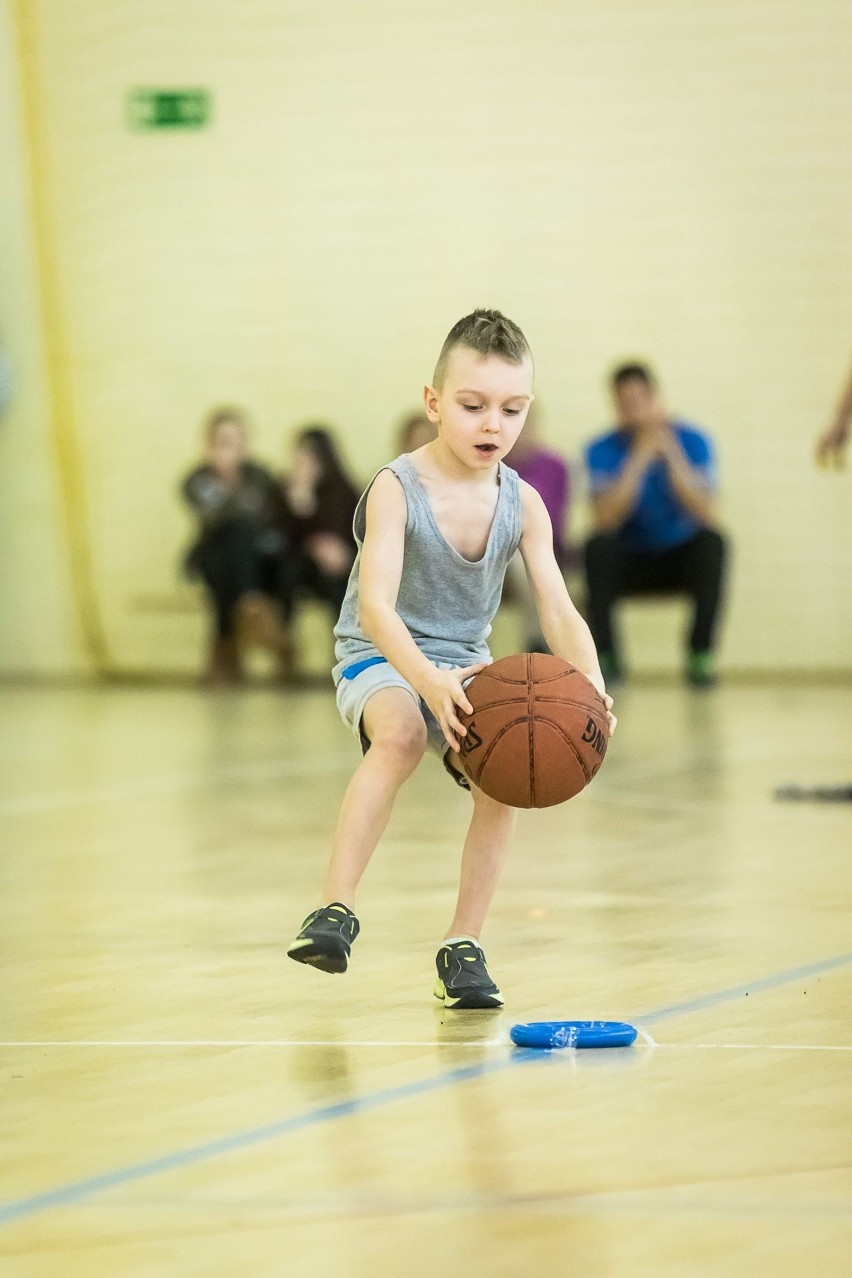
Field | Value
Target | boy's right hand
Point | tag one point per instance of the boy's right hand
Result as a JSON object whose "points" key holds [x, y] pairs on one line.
{"points": [[443, 693]]}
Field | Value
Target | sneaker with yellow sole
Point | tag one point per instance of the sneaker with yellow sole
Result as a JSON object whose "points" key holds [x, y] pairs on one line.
{"points": [[326, 937], [463, 980]]}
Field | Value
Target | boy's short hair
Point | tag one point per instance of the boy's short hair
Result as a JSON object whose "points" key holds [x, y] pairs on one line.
{"points": [[487, 333], [633, 372]]}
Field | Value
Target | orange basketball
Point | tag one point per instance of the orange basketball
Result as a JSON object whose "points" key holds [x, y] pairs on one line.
{"points": [[538, 732]]}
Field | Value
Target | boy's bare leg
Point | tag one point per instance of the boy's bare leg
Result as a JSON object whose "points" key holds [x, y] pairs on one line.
{"points": [[397, 733], [464, 981], [482, 863]]}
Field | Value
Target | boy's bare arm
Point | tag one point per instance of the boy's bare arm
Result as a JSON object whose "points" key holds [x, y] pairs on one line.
{"points": [[380, 575], [566, 632]]}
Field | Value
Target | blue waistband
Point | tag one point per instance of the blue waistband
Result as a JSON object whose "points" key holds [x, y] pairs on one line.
{"points": [[351, 672]]}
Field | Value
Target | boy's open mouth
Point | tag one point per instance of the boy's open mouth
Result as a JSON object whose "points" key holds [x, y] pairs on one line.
{"points": [[486, 449]]}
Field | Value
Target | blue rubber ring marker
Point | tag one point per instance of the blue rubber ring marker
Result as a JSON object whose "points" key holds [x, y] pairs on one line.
{"points": [[554, 1034]]}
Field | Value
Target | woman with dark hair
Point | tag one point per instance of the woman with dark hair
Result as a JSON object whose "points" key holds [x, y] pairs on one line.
{"points": [[238, 549], [319, 500]]}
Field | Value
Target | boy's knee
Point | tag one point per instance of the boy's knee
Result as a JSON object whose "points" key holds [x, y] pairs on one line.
{"points": [[402, 739]]}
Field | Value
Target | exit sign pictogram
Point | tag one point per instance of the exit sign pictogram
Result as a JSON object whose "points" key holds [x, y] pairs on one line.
{"points": [[168, 108]]}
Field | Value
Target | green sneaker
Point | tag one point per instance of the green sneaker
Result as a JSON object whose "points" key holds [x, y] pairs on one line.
{"points": [[463, 981], [701, 670], [326, 938]]}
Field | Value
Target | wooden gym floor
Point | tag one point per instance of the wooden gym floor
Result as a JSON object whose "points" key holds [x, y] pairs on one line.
{"points": [[178, 1098]]}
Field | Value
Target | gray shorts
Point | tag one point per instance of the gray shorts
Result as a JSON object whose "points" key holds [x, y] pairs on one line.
{"points": [[353, 695]]}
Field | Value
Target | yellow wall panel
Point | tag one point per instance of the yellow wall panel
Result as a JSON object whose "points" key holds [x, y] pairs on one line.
{"points": [[39, 633], [663, 180]]}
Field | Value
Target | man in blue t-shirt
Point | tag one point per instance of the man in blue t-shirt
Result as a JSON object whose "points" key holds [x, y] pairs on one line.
{"points": [[653, 485]]}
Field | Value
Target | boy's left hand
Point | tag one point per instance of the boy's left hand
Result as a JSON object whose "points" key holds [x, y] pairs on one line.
{"points": [[444, 694], [596, 680]]}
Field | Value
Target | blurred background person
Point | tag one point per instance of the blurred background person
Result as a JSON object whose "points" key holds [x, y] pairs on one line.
{"points": [[830, 446], [237, 553], [414, 431], [653, 485], [317, 506], [548, 472], [832, 443]]}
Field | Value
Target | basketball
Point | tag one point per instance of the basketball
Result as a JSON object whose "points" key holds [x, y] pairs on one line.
{"points": [[538, 732]]}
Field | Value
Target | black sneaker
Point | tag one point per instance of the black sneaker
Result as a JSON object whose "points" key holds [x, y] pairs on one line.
{"points": [[326, 938], [463, 980]]}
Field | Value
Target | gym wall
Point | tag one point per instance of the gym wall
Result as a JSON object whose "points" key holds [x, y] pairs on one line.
{"points": [[660, 180]]}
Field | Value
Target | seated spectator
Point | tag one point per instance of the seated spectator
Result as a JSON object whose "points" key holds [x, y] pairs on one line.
{"points": [[318, 500], [653, 484], [548, 473], [237, 553], [414, 431]]}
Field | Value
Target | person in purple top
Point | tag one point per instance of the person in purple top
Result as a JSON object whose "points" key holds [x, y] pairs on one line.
{"points": [[653, 488], [549, 474]]}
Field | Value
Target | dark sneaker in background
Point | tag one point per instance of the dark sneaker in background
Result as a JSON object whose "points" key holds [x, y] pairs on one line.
{"points": [[463, 980], [326, 938]]}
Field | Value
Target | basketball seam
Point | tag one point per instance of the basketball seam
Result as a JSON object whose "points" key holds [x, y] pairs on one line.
{"points": [[494, 740], [565, 701], [509, 701], [530, 731], [519, 700], [513, 723], [521, 683], [566, 671], [556, 728]]}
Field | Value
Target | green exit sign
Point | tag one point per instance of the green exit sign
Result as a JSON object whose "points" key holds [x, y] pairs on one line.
{"points": [[168, 108]]}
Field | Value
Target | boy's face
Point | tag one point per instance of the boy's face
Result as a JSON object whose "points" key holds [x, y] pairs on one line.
{"points": [[482, 406]]}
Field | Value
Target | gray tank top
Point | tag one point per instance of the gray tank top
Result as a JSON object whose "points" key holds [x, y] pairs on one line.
{"points": [[446, 601]]}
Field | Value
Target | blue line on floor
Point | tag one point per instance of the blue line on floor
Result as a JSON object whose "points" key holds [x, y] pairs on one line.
{"points": [[76, 1191], [740, 991]]}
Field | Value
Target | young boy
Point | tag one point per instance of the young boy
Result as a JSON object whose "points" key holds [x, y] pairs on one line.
{"points": [[435, 531]]}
